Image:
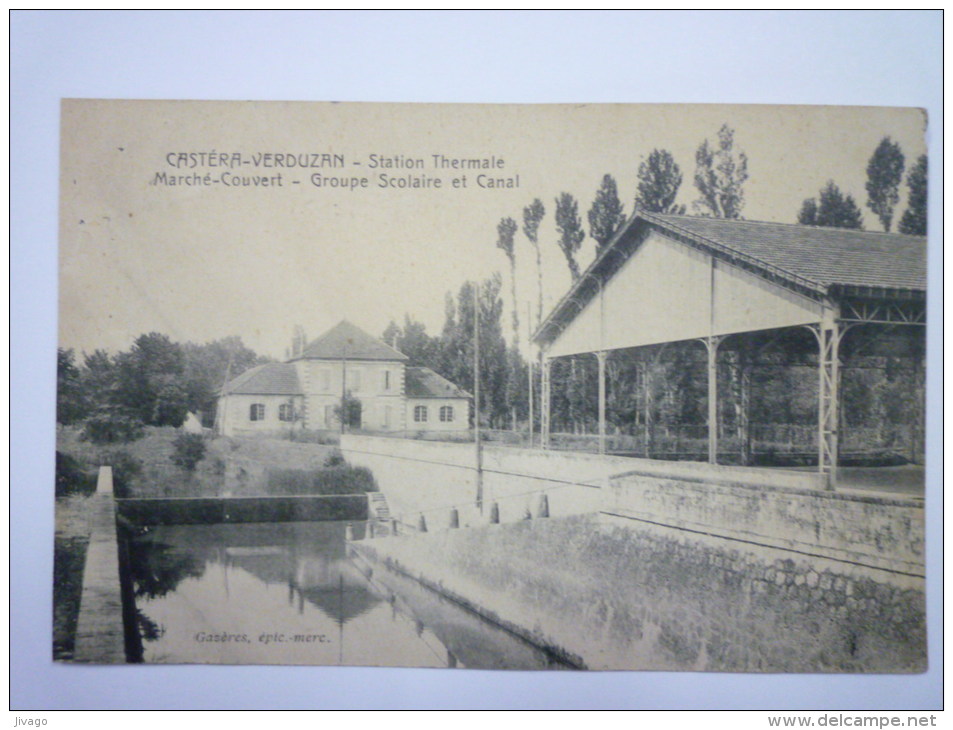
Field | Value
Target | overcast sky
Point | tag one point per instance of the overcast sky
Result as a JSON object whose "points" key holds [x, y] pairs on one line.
{"points": [[205, 261]]}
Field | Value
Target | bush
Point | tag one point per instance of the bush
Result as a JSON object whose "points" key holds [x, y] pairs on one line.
{"points": [[72, 477], [189, 450], [111, 426], [333, 480], [335, 458], [126, 468]]}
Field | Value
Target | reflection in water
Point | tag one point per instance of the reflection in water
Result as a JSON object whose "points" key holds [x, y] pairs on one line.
{"points": [[286, 593]]}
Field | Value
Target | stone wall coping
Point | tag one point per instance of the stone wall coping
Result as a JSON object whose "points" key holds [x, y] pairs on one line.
{"points": [[845, 495]]}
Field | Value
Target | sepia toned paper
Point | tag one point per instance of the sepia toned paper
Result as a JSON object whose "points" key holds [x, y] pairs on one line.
{"points": [[557, 546]]}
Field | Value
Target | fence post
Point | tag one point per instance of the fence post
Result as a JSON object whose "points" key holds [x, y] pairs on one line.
{"points": [[422, 524], [454, 518], [543, 509], [494, 514]]}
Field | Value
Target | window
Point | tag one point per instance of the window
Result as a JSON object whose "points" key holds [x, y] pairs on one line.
{"points": [[325, 380], [354, 379], [329, 416], [446, 414], [420, 414], [286, 412], [387, 416], [387, 380], [256, 412]]}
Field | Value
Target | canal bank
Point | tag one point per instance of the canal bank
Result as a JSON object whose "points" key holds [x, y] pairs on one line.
{"points": [[622, 563], [613, 593]]}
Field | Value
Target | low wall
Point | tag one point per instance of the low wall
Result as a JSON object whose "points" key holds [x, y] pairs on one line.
{"points": [[216, 510], [431, 477], [616, 593], [100, 629], [880, 532]]}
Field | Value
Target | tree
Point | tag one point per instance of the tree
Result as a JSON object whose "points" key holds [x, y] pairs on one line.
{"points": [[348, 410], [659, 180], [570, 230], [71, 405], [720, 174], [606, 215], [884, 174], [532, 216], [205, 367], [420, 348], [391, 335], [150, 381], [835, 210], [506, 230], [456, 346], [914, 218], [807, 216]]}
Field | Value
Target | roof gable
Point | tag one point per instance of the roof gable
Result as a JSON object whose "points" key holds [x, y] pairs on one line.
{"points": [[347, 341], [812, 260]]}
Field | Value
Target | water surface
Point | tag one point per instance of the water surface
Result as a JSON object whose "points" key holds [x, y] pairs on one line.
{"points": [[287, 593]]}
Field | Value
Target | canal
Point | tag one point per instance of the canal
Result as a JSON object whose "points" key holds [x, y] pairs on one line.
{"points": [[290, 593]]}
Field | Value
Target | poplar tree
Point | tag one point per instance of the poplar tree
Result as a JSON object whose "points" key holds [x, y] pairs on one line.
{"points": [[914, 219], [570, 230], [659, 180], [532, 216], [606, 215], [884, 175]]}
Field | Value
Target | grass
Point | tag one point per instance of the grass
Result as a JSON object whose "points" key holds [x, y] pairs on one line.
{"points": [[230, 467]]}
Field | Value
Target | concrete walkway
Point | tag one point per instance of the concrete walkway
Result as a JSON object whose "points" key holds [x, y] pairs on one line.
{"points": [[100, 636]]}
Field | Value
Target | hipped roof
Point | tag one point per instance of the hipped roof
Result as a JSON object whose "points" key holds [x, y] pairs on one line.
{"points": [[347, 341]]}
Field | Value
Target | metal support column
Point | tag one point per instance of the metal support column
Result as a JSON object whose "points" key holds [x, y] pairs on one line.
{"points": [[829, 333], [601, 357], [545, 405], [711, 345]]}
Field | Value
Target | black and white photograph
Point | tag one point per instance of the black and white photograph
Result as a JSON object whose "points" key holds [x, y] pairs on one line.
{"points": [[492, 386]]}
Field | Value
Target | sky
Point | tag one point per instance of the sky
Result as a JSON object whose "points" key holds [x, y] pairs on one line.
{"points": [[203, 261]]}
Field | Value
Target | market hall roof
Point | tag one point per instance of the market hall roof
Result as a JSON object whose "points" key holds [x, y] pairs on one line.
{"points": [[819, 263], [425, 383], [275, 378], [347, 341]]}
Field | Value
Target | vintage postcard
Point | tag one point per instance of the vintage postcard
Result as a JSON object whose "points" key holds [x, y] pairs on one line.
{"points": [[492, 386]]}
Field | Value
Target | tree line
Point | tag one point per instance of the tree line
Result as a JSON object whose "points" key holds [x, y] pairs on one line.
{"points": [[157, 382], [885, 169], [659, 389]]}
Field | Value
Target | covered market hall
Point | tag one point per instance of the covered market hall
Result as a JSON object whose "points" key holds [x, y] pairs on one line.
{"points": [[832, 319]]}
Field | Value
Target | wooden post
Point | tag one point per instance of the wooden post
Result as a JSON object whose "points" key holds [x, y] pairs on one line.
{"points": [[476, 397], [545, 395], [601, 357], [711, 345]]}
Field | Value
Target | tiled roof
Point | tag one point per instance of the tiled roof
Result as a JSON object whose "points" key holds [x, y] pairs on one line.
{"points": [[425, 383], [276, 378], [825, 256], [344, 340], [816, 261]]}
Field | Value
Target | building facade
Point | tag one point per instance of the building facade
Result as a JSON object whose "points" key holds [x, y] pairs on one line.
{"points": [[345, 365]]}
